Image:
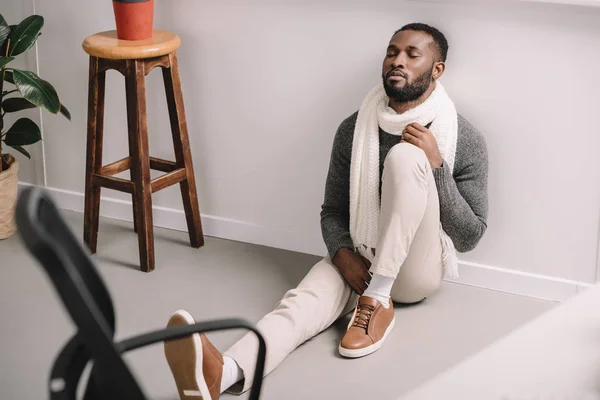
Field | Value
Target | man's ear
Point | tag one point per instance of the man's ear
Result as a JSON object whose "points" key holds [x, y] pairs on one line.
{"points": [[438, 70]]}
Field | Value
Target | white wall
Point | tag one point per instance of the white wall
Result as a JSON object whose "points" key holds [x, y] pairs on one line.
{"points": [[266, 84]]}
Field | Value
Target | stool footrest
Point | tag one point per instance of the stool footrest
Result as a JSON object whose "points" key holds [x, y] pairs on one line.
{"points": [[117, 167], [168, 179], [162, 165], [111, 182], [106, 179], [124, 164]]}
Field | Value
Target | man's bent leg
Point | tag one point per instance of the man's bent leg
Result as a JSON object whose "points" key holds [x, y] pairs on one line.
{"points": [[408, 193], [422, 273], [410, 248], [409, 207], [318, 301]]}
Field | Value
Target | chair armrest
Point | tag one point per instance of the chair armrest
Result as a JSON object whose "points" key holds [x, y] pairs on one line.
{"points": [[181, 331], [67, 369]]}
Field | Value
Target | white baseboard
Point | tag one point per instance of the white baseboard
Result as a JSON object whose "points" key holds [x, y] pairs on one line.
{"points": [[472, 274], [213, 226], [518, 282]]}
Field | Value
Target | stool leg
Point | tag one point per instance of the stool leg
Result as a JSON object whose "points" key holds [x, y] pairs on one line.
{"points": [[140, 163], [94, 154], [183, 155], [132, 147]]}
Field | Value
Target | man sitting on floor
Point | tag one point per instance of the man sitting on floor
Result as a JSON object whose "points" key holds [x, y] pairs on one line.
{"points": [[406, 189]]}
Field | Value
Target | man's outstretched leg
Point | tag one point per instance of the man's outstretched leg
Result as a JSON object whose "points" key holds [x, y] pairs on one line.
{"points": [[201, 372], [408, 264], [196, 364]]}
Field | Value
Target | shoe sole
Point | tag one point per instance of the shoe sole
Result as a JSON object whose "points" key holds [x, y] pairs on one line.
{"points": [[357, 353], [185, 360]]}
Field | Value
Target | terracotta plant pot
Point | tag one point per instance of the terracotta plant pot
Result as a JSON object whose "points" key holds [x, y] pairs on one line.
{"points": [[8, 197], [134, 19]]}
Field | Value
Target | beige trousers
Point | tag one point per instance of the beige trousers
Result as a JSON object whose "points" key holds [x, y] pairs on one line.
{"points": [[409, 250]]}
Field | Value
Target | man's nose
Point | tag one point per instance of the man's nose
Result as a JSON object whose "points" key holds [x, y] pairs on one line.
{"points": [[399, 61]]}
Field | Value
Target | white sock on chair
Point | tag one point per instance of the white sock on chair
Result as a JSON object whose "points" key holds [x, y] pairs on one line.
{"points": [[380, 288], [232, 373]]}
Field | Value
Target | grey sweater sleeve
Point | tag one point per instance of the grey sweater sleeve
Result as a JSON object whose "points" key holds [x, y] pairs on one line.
{"points": [[335, 211], [463, 197]]}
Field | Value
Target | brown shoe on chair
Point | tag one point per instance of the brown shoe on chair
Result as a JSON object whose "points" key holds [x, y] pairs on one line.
{"points": [[196, 364], [368, 329]]}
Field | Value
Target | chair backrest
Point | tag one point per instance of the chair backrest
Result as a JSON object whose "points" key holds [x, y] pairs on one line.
{"points": [[66, 261], [82, 290]]}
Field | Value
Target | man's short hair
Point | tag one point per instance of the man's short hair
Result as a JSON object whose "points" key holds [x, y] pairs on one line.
{"points": [[438, 37]]}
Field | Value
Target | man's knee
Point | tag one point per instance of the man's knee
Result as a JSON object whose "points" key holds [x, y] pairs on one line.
{"points": [[414, 292], [405, 158]]}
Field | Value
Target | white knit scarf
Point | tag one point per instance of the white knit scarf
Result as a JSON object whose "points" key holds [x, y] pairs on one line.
{"points": [[364, 171]]}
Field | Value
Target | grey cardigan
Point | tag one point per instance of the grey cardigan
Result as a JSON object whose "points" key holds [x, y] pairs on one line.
{"points": [[463, 194]]}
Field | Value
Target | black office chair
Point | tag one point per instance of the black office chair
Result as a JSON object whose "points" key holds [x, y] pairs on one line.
{"points": [[88, 301]]}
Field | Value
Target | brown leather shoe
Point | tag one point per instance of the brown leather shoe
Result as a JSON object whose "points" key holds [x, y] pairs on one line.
{"points": [[369, 327], [196, 364]]}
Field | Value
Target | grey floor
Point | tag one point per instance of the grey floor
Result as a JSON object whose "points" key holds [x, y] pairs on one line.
{"points": [[230, 279]]}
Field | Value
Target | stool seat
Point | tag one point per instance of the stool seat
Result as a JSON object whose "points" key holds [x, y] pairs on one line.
{"points": [[108, 45]]}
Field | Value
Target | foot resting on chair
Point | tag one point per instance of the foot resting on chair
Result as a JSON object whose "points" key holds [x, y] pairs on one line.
{"points": [[196, 364], [370, 325]]}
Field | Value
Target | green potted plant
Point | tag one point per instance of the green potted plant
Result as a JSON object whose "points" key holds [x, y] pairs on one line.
{"points": [[19, 90]]}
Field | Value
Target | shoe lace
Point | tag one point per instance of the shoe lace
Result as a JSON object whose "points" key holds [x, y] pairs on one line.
{"points": [[363, 316]]}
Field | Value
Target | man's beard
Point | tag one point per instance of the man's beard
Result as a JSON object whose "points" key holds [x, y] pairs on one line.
{"points": [[410, 91]]}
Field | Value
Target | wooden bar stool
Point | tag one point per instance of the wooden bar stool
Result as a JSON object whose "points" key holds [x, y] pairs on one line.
{"points": [[135, 59]]}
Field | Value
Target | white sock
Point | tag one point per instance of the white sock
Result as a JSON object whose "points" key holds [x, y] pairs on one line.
{"points": [[380, 288], [232, 373]]}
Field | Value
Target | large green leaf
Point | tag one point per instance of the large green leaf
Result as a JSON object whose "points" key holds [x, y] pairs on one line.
{"points": [[15, 104], [24, 132], [65, 112], [25, 34], [36, 90], [4, 30], [8, 77], [5, 60], [4, 45], [22, 151]]}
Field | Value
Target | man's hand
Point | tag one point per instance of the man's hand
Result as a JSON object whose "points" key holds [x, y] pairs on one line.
{"points": [[354, 268], [422, 137]]}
